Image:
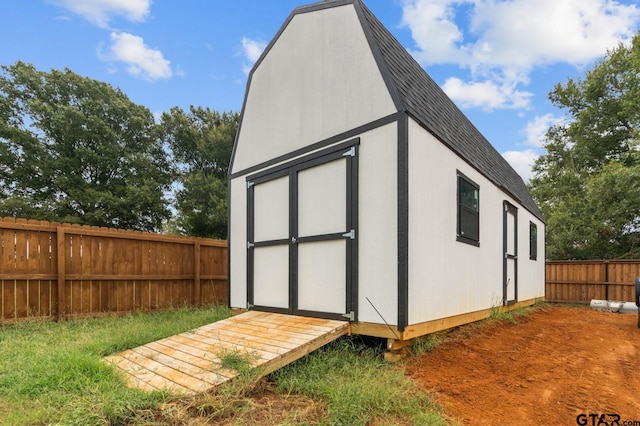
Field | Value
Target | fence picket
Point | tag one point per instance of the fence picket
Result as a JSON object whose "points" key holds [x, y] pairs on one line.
{"points": [[57, 271], [583, 281]]}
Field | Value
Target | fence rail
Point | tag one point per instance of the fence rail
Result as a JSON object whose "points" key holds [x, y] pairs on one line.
{"points": [[582, 281], [57, 271]]}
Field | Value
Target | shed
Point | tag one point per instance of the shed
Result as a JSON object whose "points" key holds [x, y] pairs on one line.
{"points": [[359, 191]]}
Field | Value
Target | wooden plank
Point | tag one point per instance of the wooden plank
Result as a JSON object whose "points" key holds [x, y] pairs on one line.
{"points": [[417, 330], [108, 265], [167, 373], [154, 268], [206, 374], [61, 282], [85, 257], [197, 283], [192, 360], [21, 287], [250, 333], [141, 377], [11, 224], [145, 296], [73, 270], [272, 333], [128, 263], [268, 327], [300, 325], [46, 266], [93, 262], [304, 324], [240, 340], [301, 351], [203, 345], [74, 266], [33, 266], [124, 288], [177, 351], [247, 332]]}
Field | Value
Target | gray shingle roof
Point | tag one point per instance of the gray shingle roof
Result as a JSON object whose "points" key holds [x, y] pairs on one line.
{"points": [[417, 94]]}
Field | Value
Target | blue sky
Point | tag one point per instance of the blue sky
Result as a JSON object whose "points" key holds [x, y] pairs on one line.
{"points": [[496, 59]]}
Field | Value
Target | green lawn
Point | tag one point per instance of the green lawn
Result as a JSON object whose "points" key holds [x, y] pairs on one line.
{"points": [[51, 373]]}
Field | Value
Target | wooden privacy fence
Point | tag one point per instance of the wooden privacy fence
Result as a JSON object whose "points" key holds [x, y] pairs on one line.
{"points": [[58, 271], [582, 281]]}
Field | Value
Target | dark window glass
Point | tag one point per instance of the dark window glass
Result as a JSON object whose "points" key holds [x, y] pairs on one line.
{"points": [[468, 211], [533, 241]]}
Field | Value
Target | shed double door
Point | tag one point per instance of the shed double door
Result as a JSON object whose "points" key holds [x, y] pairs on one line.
{"points": [[302, 247]]}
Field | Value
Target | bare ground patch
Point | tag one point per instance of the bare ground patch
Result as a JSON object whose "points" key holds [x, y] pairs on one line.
{"points": [[546, 368]]}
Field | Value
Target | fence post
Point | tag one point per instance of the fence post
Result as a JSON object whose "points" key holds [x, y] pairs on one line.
{"points": [[638, 298], [197, 283], [61, 272], [606, 280]]}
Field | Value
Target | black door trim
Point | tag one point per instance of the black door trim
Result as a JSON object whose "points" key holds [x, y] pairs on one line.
{"points": [[348, 151]]}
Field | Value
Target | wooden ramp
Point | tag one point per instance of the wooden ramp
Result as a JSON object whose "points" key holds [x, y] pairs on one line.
{"points": [[190, 362]]}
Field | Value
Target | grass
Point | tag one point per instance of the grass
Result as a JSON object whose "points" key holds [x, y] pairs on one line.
{"points": [[52, 372], [498, 313], [237, 360], [358, 386]]}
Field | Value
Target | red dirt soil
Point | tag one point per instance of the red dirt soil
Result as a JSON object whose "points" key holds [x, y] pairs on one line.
{"points": [[546, 369]]}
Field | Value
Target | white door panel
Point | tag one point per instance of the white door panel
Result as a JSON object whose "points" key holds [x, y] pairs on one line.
{"points": [[322, 276], [271, 210], [322, 197], [271, 276]]}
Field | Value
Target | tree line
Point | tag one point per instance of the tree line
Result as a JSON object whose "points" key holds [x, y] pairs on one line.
{"points": [[587, 184], [77, 150]]}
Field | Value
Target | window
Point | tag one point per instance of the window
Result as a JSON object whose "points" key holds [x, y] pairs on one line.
{"points": [[533, 241], [468, 211]]}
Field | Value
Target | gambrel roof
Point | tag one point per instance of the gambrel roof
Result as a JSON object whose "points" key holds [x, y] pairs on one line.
{"points": [[415, 93]]}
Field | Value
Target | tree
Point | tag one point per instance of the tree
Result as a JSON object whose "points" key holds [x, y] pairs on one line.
{"points": [[77, 150], [587, 184], [201, 141]]}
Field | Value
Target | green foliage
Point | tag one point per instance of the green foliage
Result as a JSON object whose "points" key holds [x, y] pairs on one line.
{"points": [[237, 360], [425, 344], [77, 150], [52, 373], [359, 387], [587, 183], [201, 141]]}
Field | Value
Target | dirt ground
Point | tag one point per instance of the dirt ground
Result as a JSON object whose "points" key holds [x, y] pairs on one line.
{"points": [[545, 369]]}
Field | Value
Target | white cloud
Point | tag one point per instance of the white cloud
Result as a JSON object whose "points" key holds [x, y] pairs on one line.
{"points": [[141, 60], [432, 24], [487, 94], [522, 162], [251, 50], [534, 133], [505, 40], [536, 129], [527, 33], [100, 12]]}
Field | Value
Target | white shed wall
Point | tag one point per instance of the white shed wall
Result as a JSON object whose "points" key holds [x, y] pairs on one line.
{"points": [[378, 224], [448, 277], [238, 243], [318, 80], [532, 272]]}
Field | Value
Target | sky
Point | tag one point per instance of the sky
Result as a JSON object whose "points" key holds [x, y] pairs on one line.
{"points": [[497, 59]]}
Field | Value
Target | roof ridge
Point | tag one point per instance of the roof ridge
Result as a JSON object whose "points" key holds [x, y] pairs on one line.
{"points": [[425, 101]]}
